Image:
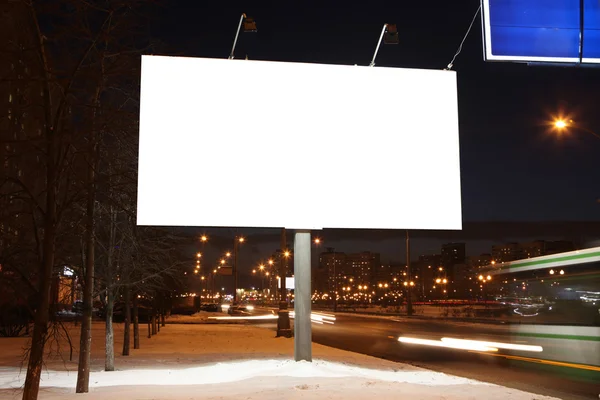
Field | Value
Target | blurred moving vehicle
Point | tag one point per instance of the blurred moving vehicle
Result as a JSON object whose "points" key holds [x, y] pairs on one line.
{"points": [[240, 309], [210, 307]]}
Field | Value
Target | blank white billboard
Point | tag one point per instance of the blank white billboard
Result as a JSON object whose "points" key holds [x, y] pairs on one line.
{"points": [[238, 143]]}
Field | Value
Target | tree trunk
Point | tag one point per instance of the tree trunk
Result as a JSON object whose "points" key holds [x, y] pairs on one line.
{"points": [[136, 325], [126, 334], [162, 318], [85, 340], [158, 322], [154, 324], [149, 327], [109, 354], [40, 327]]}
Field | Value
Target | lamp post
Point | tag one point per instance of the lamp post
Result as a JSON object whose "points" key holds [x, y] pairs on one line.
{"points": [[389, 34], [483, 281], [335, 286], [236, 242], [249, 26], [283, 320], [409, 308]]}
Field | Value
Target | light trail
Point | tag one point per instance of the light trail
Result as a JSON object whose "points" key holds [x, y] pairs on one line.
{"points": [[319, 318], [439, 343], [254, 317], [314, 317], [498, 345]]}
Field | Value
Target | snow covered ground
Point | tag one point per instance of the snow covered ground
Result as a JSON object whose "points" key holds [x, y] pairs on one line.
{"points": [[209, 361]]}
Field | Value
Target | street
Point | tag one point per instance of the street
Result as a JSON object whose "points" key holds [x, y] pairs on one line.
{"points": [[519, 370]]}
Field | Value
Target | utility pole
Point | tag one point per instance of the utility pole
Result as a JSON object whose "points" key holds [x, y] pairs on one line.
{"points": [[409, 309], [235, 272], [335, 286], [283, 322]]}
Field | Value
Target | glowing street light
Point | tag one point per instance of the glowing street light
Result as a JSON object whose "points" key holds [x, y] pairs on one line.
{"points": [[203, 238], [551, 272], [228, 254], [560, 124], [286, 253], [198, 255]]}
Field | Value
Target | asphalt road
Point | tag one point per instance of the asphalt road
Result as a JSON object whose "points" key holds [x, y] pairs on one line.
{"points": [[378, 338]]}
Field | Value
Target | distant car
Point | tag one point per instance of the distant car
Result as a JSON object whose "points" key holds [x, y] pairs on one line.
{"points": [[240, 309], [210, 307]]}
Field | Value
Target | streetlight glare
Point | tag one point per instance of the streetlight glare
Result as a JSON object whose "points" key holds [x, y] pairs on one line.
{"points": [[241, 239], [287, 253], [203, 238], [228, 254], [198, 255], [560, 124], [317, 240]]}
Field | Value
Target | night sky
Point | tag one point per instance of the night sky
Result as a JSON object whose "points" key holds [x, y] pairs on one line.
{"points": [[513, 167]]}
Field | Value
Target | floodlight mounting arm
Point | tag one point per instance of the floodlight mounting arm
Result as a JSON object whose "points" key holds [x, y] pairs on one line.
{"points": [[236, 35], [378, 44]]}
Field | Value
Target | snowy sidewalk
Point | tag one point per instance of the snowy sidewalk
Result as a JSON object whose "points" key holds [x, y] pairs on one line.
{"points": [[207, 361]]}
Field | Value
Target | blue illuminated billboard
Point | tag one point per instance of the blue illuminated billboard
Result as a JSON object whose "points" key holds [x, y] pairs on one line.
{"points": [[554, 31]]}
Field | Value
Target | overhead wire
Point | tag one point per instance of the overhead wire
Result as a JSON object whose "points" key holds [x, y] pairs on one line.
{"points": [[451, 64]]}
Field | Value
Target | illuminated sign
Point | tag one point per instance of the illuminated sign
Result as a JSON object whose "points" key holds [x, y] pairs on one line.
{"points": [[550, 31]]}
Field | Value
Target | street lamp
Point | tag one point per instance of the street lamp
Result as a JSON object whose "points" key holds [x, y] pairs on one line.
{"points": [[561, 124], [249, 26], [389, 34], [236, 242]]}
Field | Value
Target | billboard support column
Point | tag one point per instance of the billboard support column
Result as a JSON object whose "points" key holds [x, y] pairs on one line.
{"points": [[302, 297]]}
